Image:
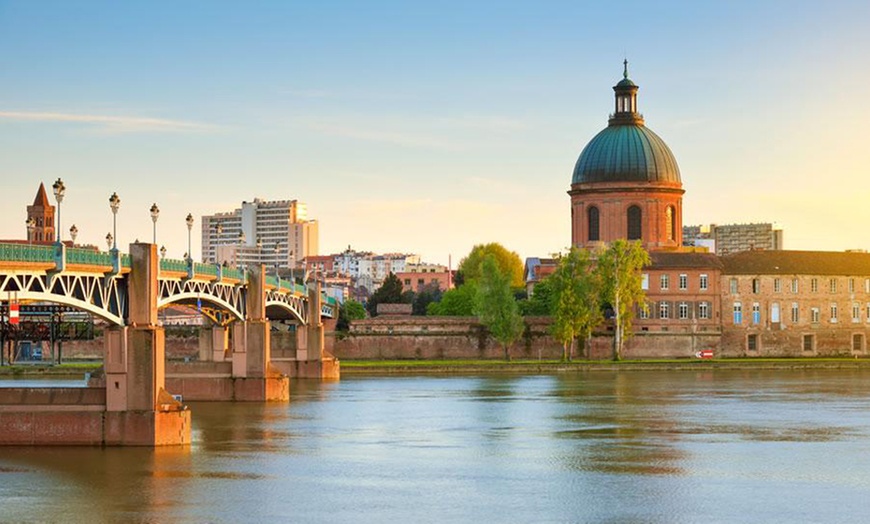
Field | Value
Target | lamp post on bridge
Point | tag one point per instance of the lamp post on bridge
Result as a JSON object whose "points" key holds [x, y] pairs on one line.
{"points": [[162, 251], [155, 212], [31, 226], [73, 233], [189, 222], [114, 205], [59, 191], [109, 241]]}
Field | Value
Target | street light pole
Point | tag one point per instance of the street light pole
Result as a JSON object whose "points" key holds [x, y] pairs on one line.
{"points": [[189, 222], [73, 233], [59, 191], [155, 212], [109, 240], [114, 203]]}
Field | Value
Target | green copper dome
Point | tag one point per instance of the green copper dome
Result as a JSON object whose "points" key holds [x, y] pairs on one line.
{"points": [[626, 153]]}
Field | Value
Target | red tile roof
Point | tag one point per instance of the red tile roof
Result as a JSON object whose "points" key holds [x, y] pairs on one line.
{"points": [[797, 263]]}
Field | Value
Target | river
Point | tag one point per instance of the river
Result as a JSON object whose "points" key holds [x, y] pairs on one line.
{"points": [[636, 446]]}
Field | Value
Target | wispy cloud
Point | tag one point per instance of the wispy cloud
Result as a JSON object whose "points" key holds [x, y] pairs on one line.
{"points": [[495, 124], [120, 124], [406, 139]]}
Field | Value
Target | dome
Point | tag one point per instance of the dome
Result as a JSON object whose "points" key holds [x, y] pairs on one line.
{"points": [[626, 153]]}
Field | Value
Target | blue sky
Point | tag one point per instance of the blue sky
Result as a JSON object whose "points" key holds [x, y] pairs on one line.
{"points": [[429, 127]]}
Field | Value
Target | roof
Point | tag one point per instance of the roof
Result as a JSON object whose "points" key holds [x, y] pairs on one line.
{"points": [[675, 259], [797, 263], [626, 153], [41, 199]]}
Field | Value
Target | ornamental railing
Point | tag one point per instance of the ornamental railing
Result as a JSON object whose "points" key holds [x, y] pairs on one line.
{"points": [[26, 253]]}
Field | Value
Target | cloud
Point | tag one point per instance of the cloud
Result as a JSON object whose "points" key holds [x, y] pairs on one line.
{"points": [[404, 139], [494, 124], [122, 124]]}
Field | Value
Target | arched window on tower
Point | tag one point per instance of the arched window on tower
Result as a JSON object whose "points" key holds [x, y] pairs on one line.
{"points": [[592, 222], [670, 223], [634, 223]]}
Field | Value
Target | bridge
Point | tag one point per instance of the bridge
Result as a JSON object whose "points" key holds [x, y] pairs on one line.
{"points": [[130, 404], [96, 282]]}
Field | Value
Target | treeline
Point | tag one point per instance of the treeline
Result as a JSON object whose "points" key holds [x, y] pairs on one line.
{"points": [[585, 287]]}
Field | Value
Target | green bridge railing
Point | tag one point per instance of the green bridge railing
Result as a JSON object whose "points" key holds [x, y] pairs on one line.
{"points": [[26, 253]]}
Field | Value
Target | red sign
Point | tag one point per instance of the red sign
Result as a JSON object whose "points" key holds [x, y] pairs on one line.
{"points": [[13, 313], [705, 354]]}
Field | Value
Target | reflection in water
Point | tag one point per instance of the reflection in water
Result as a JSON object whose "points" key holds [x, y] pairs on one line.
{"points": [[593, 447]]}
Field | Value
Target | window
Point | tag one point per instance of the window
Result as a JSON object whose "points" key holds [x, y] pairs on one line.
{"points": [[738, 313], [671, 223], [832, 285], [644, 281], [634, 223], [856, 312], [774, 313], [809, 342], [868, 311], [851, 285], [683, 310], [756, 286], [644, 311], [857, 342], [867, 285], [814, 315], [777, 285], [703, 283], [703, 310], [733, 285], [756, 313], [684, 282], [794, 285], [814, 285], [795, 313], [407, 281], [833, 312], [664, 282], [752, 342], [664, 310], [592, 222]]}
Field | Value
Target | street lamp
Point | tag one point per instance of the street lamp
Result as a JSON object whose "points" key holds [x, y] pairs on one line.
{"points": [[189, 222], [114, 203], [73, 233], [162, 251], [59, 191], [155, 212], [109, 240], [31, 226]]}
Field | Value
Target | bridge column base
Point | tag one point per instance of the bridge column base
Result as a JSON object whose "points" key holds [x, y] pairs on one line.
{"points": [[327, 369], [268, 389], [165, 427]]}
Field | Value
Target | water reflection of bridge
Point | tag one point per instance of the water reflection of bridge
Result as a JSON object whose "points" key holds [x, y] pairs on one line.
{"points": [[126, 291]]}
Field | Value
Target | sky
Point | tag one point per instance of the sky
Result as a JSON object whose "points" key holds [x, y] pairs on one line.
{"points": [[429, 127]]}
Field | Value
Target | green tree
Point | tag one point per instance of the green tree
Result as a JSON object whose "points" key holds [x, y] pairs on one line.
{"points": [[428, 294], [508, 262], [351, 310], [575, 300], [457, 302], [496, 307], [621, 284], [541, 301], [390, 292]]}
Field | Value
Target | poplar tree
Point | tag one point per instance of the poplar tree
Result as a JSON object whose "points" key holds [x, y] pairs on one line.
{"points": [[621, 283], [496, 306], [575, 301]]}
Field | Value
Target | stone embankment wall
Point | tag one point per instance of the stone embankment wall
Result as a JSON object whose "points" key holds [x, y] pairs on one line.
{"points": [[387, 338]]}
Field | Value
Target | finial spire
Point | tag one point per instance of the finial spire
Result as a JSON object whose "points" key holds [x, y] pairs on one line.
{"points": [[625, 70]]}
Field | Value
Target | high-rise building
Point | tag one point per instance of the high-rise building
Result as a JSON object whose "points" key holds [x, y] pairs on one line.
{"points": [[734, 238], [275, 233]]}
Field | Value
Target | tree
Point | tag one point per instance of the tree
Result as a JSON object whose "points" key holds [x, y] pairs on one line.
{"points": [[351, 310], [428, 294], [575, 300], [390, 292], [508, 262], [621, 283], [458, 302], [496, 307], [540, 303]]}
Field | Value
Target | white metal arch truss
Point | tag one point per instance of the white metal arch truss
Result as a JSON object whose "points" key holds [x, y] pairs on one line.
{"points": [[227, 297], [103, 296], [297, 305]]}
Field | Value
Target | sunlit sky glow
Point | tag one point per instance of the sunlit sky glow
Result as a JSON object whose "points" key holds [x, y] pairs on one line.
{"points": [[428, 127]]}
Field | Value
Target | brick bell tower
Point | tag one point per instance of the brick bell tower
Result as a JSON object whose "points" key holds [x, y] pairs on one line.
{"points": [[41, 213]]}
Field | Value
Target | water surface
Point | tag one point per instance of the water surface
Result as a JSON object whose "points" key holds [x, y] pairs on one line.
{"points": [[713, 446]]}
